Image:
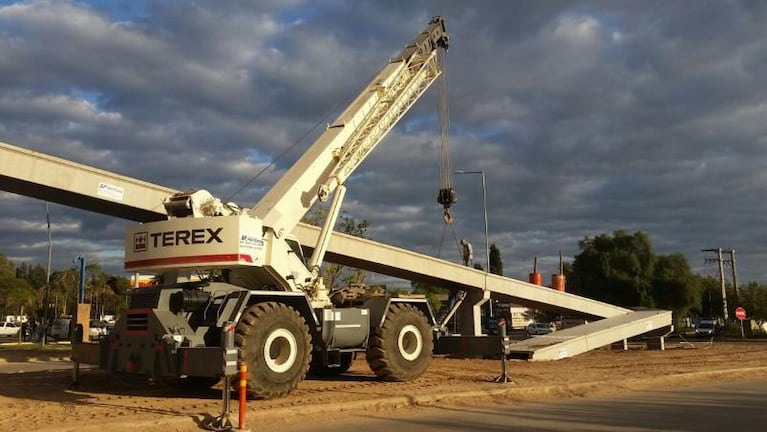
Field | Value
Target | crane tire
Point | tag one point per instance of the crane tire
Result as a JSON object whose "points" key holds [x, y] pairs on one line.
{"points": [[317, 369], [274, 342], [401, 348]]}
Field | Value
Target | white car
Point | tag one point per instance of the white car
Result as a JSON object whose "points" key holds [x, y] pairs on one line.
{"points": [[539, 328], [98, 329], [9, 329]]}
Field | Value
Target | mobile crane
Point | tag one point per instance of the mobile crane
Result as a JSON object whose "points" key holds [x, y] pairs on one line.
{"points": [[259, 289]]}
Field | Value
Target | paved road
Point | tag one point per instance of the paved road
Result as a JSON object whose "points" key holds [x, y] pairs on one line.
{"points": [[735, 406]]}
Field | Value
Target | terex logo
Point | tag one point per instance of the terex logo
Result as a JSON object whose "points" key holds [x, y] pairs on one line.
{"points": [[179, 237], [139, 241]]}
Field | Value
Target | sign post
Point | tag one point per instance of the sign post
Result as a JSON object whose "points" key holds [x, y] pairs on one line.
{"points": [[740, 314]]}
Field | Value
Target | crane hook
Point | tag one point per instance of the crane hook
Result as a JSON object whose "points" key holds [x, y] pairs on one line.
{"points": [[447, 217], [447, 197]]}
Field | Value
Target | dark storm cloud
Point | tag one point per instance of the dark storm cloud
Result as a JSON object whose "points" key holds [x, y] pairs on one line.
{"points": [[586, 117]]}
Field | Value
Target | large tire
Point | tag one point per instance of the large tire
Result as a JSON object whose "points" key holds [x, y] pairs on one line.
{"points": [[317, 369], [274, 342], [401, 348]]}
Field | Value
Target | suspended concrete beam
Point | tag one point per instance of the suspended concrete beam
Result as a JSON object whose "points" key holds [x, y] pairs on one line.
{"points": [[29, 173]]}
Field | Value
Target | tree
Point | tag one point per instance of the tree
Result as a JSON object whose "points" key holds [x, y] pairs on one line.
{"points": [[63, 296], [6, 268], [97, 290], [348, 225], [711, 296], [335, 273], [617, 269], [675, 287], [34, 274], [496, 265], [753, 298], [432, 293], [17, 296]]}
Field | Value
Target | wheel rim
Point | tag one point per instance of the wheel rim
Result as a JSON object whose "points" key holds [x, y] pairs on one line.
{"points": [[280, 350], [410, 342]]}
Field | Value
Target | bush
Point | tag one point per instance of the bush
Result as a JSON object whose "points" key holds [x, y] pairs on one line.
{"points": [[730, 329]]}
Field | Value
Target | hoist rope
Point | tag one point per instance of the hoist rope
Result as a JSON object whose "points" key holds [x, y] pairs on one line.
{"points": [[446, 196], [455, 241], [445, 165]]}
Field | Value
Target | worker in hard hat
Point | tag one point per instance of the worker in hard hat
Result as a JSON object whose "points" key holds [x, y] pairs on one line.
{"points": [[468, 253]]}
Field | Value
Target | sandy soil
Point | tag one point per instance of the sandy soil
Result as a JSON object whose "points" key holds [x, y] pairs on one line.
{"points": [[42, 400]]}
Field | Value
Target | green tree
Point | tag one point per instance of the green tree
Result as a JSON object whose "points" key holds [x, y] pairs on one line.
{"points": [[753, 298], [20, 298], [348, 225], [433, 293], [335, 274], [17, 297], [34, 274], [63, 295], [711, 296], [675, 287], [7, 280], [616, 268], [496, 265], [97, 291], [6, 268]]}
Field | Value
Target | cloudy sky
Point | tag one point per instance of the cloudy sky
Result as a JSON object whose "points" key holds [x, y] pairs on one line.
{"points": [[586, 117]]}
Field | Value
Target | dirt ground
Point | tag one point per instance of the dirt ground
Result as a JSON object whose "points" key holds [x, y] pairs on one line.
{"points": [[41, 401]]}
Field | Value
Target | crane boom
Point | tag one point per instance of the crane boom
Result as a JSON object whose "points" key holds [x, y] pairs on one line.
{"points": [[355, 133]]}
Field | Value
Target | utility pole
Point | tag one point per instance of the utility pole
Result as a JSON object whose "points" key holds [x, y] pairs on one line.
{"points": [[719, 260], [46, 295], [734, 276]]}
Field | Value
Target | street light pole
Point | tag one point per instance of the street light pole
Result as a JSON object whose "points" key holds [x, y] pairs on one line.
{"points": [[487, 241], [484, 210]]}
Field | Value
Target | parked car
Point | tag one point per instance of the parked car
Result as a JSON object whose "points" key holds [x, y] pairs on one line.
{"points": [[9, 329], [539, 328], [705, 328], [98, 329], [59, 329]]}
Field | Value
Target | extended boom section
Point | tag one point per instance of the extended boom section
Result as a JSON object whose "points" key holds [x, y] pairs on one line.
{"points": [[330, 161]]}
